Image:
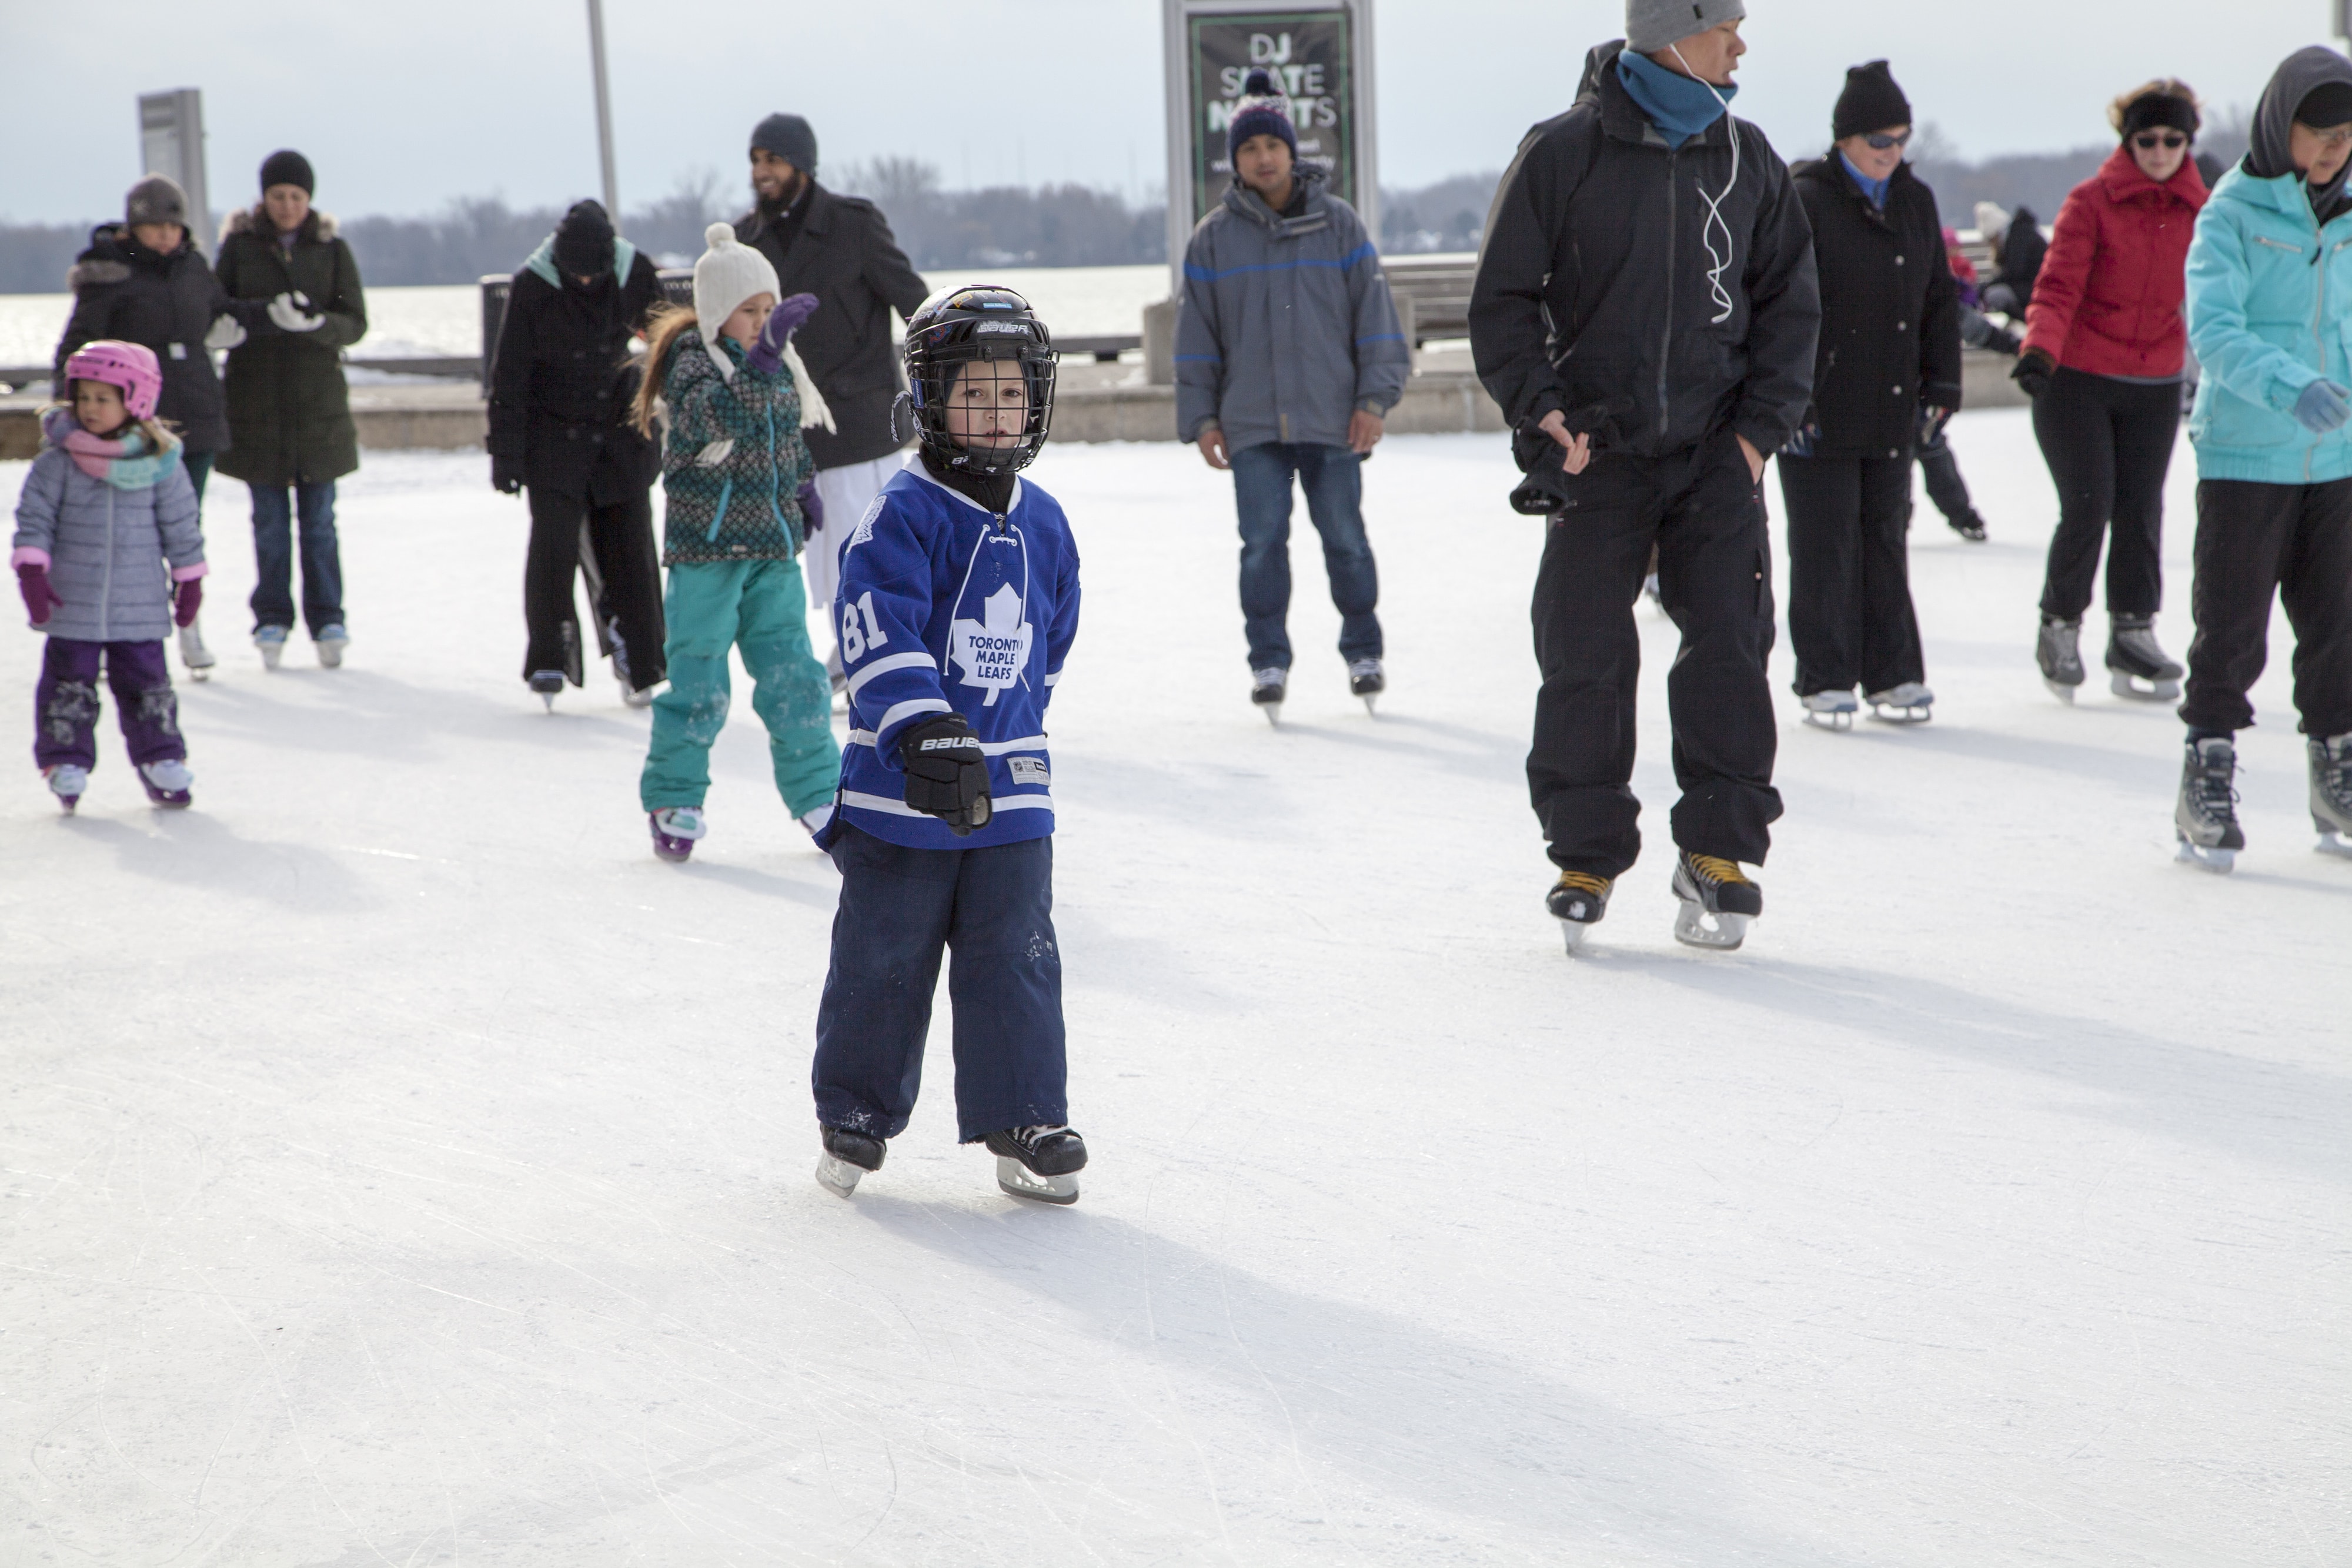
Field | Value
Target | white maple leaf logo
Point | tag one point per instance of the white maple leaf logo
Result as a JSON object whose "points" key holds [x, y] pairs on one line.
{"points": [[992, 651]]}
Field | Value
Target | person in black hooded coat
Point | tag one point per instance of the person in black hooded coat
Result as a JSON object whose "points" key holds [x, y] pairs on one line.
{"points": [[560, 386], [1887, 374]]}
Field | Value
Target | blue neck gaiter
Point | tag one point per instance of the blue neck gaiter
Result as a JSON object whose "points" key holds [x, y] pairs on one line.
{"points": [[1874, 189], [1679, 106]]}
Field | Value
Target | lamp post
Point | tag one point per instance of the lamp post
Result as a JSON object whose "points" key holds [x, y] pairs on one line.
{"points": [[603, 110]]}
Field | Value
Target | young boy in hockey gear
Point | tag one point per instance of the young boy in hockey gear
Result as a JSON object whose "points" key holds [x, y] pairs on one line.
{"points": [[109, 556], [736, 472], [957, 602], [2270, 308]]}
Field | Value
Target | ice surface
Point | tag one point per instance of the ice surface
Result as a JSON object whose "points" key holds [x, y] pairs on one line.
{"points": [[404, 1166]]}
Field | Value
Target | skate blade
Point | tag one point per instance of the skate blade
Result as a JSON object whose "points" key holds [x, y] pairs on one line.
{"points": [[200, 672], [2331, 843], [1273, 712], [1019, 1181], [1371, 706], [2065, 694], [1833, 722], [1576, 933], [2142, 691], [838, 1176], [2219, 862], [1693, 928], [1885, 715], [549, 698]]}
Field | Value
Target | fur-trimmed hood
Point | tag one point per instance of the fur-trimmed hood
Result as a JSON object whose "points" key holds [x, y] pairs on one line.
{"points": [[111, 254], [254, 220]]}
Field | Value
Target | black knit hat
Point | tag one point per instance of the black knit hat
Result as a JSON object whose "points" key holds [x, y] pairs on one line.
{"points": [[790, 138], [2160, 112], [288, 167], [1871, 102], [583, 241]]}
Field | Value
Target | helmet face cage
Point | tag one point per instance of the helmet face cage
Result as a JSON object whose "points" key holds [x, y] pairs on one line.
{"points": [[966, 325]]}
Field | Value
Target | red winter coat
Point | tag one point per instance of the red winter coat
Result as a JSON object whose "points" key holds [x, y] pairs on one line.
{"points": [[2108, 300]]}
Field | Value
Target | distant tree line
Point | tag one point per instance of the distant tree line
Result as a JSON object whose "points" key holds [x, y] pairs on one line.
{"points": [[1010, 225]]}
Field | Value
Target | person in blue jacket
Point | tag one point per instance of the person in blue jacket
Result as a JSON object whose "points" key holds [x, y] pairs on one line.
{"points": [[958, 599], [2270, 317]]}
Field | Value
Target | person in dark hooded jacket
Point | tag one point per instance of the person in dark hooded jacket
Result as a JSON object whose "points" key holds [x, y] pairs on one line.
{"points": [[1644, 311], [562, 384]]}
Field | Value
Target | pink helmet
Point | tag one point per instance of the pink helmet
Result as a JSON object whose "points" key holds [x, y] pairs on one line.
{"points": [[129, 366]]}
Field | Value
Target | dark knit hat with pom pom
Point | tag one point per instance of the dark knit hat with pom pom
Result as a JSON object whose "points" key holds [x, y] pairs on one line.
{"points": [[1263, 111]]}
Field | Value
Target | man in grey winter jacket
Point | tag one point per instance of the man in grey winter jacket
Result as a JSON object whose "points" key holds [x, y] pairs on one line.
{"points": [[1288, 355]]}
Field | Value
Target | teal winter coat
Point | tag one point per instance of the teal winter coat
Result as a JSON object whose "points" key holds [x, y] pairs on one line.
{"points": [[734, 460], [2269, 312]]}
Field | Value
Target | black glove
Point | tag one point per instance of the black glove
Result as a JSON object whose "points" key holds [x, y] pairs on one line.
{"points": [[2035, 368], [947, 775], [1933, 417], [505, 474]]}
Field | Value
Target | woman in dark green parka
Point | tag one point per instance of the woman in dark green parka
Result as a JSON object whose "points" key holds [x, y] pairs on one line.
{"points": [[289, 413]]}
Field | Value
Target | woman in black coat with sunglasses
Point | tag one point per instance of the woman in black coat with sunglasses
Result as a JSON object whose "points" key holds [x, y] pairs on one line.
{"points": [[1886, 375]]}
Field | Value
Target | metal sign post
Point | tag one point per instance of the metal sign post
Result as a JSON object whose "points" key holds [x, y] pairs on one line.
{"points": [[1321, 53], [172, 144], [604, 110]]}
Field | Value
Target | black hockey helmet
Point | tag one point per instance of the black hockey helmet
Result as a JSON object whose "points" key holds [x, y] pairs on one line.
{"points": [[952, 329]]}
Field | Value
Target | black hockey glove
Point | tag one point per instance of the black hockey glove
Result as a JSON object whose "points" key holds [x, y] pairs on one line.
{"points": [[947, 775], [505, 474]]}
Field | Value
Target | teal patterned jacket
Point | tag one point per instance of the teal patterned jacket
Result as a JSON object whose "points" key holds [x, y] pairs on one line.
{"points": [[734, 461]]}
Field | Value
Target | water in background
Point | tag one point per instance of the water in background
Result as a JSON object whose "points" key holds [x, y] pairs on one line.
{"points": [[446, 321]]}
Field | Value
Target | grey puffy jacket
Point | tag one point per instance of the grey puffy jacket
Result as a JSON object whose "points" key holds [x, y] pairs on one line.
{"points": [[1285, 327], [107, 549]]}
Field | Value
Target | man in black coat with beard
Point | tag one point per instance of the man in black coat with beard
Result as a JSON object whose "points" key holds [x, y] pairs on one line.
{"points": [[840, 249], [1644, 311]]}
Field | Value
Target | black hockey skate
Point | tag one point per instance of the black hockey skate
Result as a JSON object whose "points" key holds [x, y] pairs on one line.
{"points": [[2205, 819], [1268, 688], [2136, 667], [847, 1155], [2060, 654], [1717, 902], [548, 685], [1578, 901], [1042, 1162], [1367, 680], [2331, 792]]}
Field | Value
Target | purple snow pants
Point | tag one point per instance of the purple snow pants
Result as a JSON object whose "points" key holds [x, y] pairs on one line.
{"points": [[65, 721]]}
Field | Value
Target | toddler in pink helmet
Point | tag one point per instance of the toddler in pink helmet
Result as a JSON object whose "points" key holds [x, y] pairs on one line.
{"points": [[109, 555]]}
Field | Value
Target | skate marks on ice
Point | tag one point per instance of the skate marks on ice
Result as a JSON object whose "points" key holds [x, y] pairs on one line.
{"points": [[1330, 1429]]}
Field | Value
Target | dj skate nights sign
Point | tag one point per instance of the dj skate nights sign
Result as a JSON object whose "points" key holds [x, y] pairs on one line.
{"points": [[1307, 53]]}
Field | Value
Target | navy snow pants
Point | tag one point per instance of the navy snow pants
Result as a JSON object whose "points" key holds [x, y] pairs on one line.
{"points": [[994, 909]]}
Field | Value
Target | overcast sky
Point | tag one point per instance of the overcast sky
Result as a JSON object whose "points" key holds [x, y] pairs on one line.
{"points": [[405, 105]]}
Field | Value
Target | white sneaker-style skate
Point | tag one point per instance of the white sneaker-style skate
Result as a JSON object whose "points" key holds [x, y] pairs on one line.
{"points": [[194, 653], [2331, 792], [1908, 703], [1830, 710], [331, 642], [271, 643]]}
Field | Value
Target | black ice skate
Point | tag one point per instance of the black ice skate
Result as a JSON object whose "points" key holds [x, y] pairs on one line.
{"points": [[847, 1155], [2136, 667], [1042, 1162], [2205, 819], [2060, 654], [1910, 703], [1717, 902], [1367, 680], [547, 684], [2331, 792], [1830, 710], [1268, 688], [1578, 901]]}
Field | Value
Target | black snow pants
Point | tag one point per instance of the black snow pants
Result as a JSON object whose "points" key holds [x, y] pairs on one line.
{"points": [[1850, 615], [2108, 444], [614, 546], [1705, 513], [2254, 540]]}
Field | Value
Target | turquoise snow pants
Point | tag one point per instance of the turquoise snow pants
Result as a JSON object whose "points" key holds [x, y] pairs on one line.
{"points": [[757, 606]]}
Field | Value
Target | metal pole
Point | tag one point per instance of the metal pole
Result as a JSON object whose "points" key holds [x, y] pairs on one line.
{"points": [[603, 110]]}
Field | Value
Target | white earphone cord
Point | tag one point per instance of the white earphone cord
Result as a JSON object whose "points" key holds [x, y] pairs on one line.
{"points": [[1715, 219]]}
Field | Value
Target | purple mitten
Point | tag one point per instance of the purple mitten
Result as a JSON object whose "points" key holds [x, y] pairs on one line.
{"points": [[33, 582], [768, 351], [186, 599], [811, 508]]}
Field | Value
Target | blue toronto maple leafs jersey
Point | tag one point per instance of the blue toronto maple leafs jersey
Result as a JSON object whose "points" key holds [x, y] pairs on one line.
{"points": [[945, 606]]}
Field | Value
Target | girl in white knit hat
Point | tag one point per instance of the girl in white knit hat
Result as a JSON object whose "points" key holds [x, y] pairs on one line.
{"points": [[733, 399]]}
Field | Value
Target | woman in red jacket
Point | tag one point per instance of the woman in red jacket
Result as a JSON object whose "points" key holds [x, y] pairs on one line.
{"points": [[2104, 349]]}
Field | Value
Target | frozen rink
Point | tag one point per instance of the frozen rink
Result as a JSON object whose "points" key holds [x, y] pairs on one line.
{"points": [[404, 1167]]}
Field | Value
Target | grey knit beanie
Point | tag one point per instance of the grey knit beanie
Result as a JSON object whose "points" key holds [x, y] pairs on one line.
{"points": [[1652, 24], [156, 200]]}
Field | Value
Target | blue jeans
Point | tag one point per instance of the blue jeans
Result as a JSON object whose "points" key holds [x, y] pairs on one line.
{"points": [[273, 556], [1333, 479]]}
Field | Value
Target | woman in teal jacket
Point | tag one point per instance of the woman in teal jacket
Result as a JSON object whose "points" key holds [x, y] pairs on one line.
{"points": [[2270, 316]]}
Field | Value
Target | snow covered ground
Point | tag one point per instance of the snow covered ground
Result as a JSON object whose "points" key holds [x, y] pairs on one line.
{"points": [[402, 1166]]}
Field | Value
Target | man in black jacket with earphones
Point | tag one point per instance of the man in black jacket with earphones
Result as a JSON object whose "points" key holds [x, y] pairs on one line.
{"points": [[1644, 311]]}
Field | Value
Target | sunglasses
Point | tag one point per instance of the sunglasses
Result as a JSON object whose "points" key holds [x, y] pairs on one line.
{"points": [[1880, 141], [2149, 141]]}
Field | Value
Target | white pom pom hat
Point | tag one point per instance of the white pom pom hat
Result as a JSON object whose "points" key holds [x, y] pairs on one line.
{"points": [[728, 274]]}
